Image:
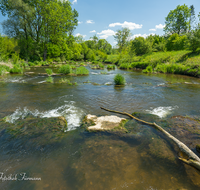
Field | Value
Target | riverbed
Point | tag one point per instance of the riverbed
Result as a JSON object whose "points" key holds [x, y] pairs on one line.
{"points": [[83, 160]]}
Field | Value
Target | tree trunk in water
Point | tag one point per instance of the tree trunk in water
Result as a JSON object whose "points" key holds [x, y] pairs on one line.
{"points": [[193, 159]]}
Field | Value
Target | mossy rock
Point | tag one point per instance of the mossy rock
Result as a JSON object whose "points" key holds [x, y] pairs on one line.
{"points": [[40, 130]]}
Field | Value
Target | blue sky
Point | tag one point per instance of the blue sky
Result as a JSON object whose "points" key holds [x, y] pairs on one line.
{"points": [[142, 17]]}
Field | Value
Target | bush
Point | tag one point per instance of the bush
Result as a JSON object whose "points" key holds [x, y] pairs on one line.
{"points": [[64, 80], [49, 71], [101, 66], [140, 46], [111, 67], [49, 79], [2, 71], [194, 40], [125, 66], [16, 69], [82, 71], [119, 79], [65, 69], [149, 69], [15, 58]]}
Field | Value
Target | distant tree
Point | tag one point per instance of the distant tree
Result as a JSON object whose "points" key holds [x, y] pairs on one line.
{"points": [[38, 24], [104, 46], [141, 46], [192, 18], [176, 42], [79, 39], [122, 37], [177, 21], [194, 40]]}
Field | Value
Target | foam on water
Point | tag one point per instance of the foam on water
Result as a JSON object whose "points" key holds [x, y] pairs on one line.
{"points": [[162, 111], [72, 114]]}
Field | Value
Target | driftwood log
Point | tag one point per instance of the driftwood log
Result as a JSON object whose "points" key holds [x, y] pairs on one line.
{"points": [[193, 159]]}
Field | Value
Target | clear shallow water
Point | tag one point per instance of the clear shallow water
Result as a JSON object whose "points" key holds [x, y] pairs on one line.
{"points": [[94, 161]]}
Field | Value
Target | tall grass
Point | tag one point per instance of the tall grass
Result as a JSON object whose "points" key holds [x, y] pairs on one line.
{"points": [[17, 69], [65, 69], [119, 79], [49, 71], [82, 71]]}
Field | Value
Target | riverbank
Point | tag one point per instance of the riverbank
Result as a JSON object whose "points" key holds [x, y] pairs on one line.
{"points": [[173, 62]]}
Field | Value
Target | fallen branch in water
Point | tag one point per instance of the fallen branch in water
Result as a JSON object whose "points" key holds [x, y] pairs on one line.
{"points": [[193, 160]]}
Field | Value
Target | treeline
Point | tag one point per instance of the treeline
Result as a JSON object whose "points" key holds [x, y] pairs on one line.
{"points": [[182, 32], [42, 30]]}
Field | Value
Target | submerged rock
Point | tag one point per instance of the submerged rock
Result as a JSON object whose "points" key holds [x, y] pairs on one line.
{"points": [[198, 147], [104, 123], [35, 130]]}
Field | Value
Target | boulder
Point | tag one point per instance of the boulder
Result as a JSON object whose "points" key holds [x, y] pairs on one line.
{"points": [[104, 123]]}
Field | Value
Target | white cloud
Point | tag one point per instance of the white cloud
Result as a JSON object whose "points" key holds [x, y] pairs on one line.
{"points": [[90, 22], [153, 29], [75, 1], [142, 35], [79, 22], [106, 33], [78, 34], [93, 31], [160, 26], [129, 25]]}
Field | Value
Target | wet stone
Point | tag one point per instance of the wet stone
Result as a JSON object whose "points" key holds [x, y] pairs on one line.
{"points": [[104, 123], [39, 130]]}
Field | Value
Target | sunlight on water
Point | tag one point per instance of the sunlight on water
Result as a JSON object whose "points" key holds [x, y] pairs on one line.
{"points": [[72, 114], [162, 111]]}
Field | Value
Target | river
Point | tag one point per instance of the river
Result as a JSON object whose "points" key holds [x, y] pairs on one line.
{"points": [[85, 160]]}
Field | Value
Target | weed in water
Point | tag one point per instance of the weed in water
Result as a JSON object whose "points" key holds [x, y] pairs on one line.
{"points": [[111, 67], [16, 69], [49, 79], [119, 79], [49, 71], [65, 69], [82, 71]]}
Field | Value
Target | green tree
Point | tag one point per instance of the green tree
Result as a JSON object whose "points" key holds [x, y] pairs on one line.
{"points": [[141, 46], [192, 18], [122, 37], [104, 46], [38, 24], [176, 42], [177, 21], [194, 40]]}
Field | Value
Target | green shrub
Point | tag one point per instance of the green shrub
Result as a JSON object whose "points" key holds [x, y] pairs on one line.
{"points": [[101, 66], [149, 69], [119, 79], [125, 66], [139, 65], [64, 80], [104, 73], [16, 69], [31, 64], [49, 79], [82, 71], [111, 67], [15, 58], [65, 69], [2, 71], [49, 71]]}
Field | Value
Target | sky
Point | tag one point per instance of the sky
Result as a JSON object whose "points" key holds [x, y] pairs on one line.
{"points": [[105, 17]]}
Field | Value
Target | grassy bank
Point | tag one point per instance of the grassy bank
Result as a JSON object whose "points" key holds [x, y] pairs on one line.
{"points": [[175, 62]]}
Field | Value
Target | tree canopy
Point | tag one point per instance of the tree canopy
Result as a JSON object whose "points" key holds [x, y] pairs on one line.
{"points": [[122, 37], [178, 20], [38, 23]]}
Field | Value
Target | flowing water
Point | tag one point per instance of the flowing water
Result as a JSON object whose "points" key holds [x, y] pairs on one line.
{"points": [[85, 160]]}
